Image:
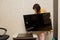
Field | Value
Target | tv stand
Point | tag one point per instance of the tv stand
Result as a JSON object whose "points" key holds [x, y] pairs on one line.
{"points": [[34, 36], [26, 36]]}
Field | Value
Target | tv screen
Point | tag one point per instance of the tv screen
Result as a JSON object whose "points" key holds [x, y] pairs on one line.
{"points": [[37, 22]]}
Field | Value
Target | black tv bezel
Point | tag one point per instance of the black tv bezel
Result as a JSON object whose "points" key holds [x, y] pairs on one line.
{"points": [[36, 30]]}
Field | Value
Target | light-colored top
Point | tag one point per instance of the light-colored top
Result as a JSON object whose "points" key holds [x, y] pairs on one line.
{"points": [[42, 10]]}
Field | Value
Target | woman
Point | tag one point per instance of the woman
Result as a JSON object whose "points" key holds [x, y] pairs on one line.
{"points": [[38, 10]]}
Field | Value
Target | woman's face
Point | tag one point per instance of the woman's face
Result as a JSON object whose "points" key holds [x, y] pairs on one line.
{"points": [[35, 11]]}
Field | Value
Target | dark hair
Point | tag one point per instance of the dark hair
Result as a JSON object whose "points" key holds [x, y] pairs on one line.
{"points": [[37, 7]]}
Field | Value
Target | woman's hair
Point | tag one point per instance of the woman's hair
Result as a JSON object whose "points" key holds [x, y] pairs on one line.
{"points": [[37, 7]]}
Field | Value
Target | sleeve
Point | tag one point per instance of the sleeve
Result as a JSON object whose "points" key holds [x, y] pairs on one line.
{"points": [[42, 10]]}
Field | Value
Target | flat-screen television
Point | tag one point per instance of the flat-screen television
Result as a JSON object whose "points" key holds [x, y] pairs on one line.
{"points": [[37, 22]]}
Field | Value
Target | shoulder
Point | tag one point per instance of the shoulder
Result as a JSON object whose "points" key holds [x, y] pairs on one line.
{"points": [[42, 10]]}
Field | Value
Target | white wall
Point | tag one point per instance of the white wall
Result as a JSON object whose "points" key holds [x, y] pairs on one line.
{"points": [[11, 16], [12, 11]]}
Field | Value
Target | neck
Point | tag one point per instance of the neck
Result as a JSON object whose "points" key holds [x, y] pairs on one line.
{"points": [[38, 12]]}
